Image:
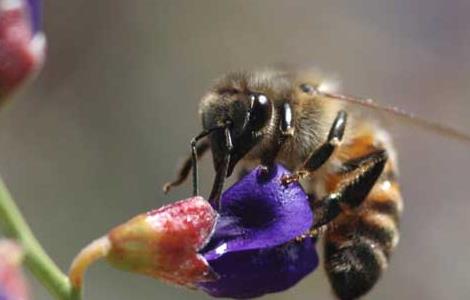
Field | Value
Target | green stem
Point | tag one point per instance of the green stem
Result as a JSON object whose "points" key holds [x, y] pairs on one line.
{"points": [[36, 258]]}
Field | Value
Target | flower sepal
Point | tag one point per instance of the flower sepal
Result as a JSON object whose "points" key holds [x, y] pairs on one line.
{"points": [[162, 243]]}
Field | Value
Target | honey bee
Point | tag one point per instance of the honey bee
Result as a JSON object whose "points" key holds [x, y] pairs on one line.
{"points": [[346, 162]]}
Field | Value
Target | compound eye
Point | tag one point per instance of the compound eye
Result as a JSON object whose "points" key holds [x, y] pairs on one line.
{"points": [[260, 111]]}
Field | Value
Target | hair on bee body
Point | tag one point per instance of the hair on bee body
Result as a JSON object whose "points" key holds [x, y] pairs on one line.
{"points": [[348, 163]]}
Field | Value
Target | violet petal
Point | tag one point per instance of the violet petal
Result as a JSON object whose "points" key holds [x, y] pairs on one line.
{"points": [[260, 212], [253, 248], [253, 273], [35, 14]]}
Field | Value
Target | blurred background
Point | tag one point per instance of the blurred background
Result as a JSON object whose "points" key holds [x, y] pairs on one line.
{"points": [[91, 142]]}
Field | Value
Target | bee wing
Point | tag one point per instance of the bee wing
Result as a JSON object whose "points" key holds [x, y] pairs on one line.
{"points": [[401, 115]]}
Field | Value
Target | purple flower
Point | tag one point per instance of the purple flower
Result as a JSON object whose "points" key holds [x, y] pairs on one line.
{"points": [[22, 44], [252, 246], [254, 249]]}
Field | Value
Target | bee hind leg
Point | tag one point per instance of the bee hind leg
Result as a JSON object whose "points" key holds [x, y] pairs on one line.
{"points": [[359, 180], [323, 153]]}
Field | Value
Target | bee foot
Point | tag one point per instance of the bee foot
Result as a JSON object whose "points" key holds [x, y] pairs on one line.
{"points": [[264, 170], [167, 187], [286, 180]]}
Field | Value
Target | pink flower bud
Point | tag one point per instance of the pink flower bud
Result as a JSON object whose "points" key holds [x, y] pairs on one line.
{"points": [[12, 283], [22, 46], [162, 243]]}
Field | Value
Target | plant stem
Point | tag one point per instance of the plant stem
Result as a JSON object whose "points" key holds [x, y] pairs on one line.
{"points": [[35, 257]]}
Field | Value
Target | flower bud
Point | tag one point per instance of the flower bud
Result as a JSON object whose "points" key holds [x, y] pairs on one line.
{"points": [[257, 243], [12, 283], [162, 243], [22, 44]]}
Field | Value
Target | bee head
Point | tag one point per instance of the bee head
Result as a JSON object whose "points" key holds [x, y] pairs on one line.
{"points": [[245, 114]]}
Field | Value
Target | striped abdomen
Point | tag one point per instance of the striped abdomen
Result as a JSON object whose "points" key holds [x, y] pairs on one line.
{"points": [[359, 242]]}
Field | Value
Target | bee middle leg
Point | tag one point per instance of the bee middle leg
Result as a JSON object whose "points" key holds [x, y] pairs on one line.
{"points": [[322, 153]]}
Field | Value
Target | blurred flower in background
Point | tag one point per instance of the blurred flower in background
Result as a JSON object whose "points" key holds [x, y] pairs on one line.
{"points": [[22, 43], [12, 283]]}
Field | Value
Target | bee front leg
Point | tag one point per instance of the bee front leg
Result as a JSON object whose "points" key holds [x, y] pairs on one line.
{"points": [[268, 159], [183, 171], [361, 176], [323, 153]]}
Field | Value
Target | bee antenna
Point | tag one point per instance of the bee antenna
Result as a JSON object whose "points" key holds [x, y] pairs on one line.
{"points": [[405, 116]]}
